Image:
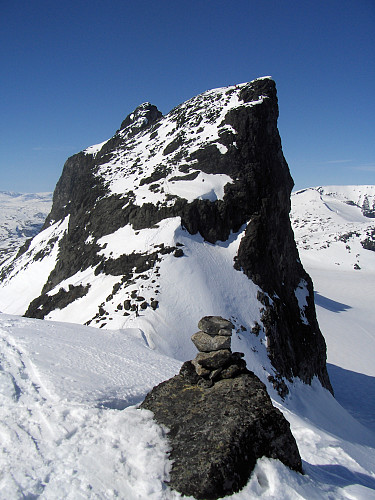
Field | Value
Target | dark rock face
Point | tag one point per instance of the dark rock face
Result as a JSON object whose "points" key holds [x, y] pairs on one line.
{"points": [[258, 196], [142, 117], [218, 430], [38, 309], [369, 242]]}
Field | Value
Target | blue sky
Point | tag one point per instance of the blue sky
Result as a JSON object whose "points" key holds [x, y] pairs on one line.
{"points": [[71, 71]]}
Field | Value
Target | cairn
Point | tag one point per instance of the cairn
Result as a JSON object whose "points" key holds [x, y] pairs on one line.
{"points": [[215, 360], [220, 418]]}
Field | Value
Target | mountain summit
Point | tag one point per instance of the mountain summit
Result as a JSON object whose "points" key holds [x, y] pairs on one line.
{"points": [[174, 218]]}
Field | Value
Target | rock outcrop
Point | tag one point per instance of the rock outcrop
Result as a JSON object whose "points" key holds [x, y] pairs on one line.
{"points": [[214, 164], [220, 419]]}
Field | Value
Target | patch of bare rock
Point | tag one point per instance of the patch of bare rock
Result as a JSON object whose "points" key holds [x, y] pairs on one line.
{"points": [[220, 418]]}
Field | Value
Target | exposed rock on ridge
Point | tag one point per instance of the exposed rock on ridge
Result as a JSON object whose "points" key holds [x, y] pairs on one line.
{"points": [[215, 162]]}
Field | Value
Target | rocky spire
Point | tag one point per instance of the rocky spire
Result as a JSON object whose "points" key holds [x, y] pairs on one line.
{"points": [[214, 165], [142, 117]]}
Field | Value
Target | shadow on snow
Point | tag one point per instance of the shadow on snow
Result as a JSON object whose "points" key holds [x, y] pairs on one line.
{"points": [[356, 393], [338, 475], [330, 304]]}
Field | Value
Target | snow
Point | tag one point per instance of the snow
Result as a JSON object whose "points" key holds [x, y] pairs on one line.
{"points": [[344, 296], [187, 288], [126, 240], [69, 393], [197, 123], [203, 187], [329, 247], [21, 217], [69, 398], [95, 148], [18, 289], [58, 385], [301, 294]]}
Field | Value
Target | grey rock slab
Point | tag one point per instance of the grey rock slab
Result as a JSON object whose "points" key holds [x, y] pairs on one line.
{"points": [[234, 370], [207, 343], [213, 360], [200, 370], [212, 325]]}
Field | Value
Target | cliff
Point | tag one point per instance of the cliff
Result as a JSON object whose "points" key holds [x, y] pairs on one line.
{"points": [[203, 193]]}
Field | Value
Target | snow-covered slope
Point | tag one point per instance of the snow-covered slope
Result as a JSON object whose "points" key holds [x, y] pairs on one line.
{"points": [[67, 392], [69, 428], [21, 217], [332, 226], [334, 240]]}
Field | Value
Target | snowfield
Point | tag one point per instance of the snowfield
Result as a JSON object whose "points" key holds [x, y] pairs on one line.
{"points": [[21, 217], [70, 427]]}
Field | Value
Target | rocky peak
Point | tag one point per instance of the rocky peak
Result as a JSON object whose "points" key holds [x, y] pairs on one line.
{"points": [[142, 117], [208, 179]]}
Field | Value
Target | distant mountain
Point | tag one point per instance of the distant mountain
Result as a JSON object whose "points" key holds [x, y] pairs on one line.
{"points": [[335, 225], [174, 218], [21, 217]]}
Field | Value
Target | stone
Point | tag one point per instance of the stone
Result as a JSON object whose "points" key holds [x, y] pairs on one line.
{"points": [[215, 374], [200, 370], [207, 343], [218, 430], [233, 370], [205, 383], [212, 325], [189, 373], [225, 332], [213, 360]]}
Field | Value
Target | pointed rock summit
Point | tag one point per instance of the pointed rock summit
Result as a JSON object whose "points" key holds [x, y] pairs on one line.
{"points": [[173, 214], [220, 419], [143, 116]]}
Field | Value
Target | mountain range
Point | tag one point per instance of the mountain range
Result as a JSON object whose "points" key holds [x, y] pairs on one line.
{"points": [[21, 217]]}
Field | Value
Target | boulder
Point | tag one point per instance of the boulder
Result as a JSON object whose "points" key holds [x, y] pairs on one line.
{"points": [[212, 325], [217, 433], [212, 360]]}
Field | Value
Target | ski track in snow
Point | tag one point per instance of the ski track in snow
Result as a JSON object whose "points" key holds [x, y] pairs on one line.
{"points": [[53, 447]]}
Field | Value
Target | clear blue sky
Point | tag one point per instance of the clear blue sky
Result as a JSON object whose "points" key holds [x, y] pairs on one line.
{"points": [[71, 71]]}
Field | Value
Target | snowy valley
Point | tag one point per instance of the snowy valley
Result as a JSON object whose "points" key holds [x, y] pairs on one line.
{"points": [[21, 217]]}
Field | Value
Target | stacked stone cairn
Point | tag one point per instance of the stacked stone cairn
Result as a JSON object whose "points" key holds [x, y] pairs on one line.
{"points": [[215, 360], [220, 418]]}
